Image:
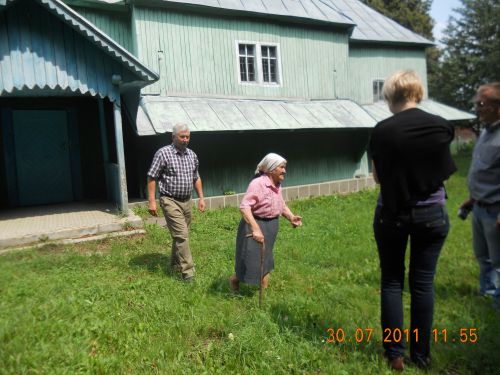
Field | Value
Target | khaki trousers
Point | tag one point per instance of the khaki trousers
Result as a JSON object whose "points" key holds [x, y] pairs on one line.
{"points": [[178, 218]]}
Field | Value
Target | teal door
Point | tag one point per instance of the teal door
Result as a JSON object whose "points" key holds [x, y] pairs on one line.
{"points": [[42, 156]]}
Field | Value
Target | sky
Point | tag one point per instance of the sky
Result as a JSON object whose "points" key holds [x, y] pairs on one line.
{"points": [[441, 10]]}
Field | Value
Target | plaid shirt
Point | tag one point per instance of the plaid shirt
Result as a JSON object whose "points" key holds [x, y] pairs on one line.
{"points": [[176, 171]]}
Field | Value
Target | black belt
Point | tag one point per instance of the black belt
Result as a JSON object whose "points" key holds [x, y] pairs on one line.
{"points": [[265, 218], [176, 198]]}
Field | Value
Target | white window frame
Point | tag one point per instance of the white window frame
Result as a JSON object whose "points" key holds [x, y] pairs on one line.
{"points": [[259, 74], [256, 63], [380, 94]]}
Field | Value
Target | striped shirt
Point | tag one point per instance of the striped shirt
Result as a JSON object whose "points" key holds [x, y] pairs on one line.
{"points": [[175, 171]]}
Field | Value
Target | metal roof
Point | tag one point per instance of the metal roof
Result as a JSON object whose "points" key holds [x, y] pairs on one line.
{"points": [[369, 25], [37, 53], [380, 111], [373, 26], [157, 115], [318, 10]]}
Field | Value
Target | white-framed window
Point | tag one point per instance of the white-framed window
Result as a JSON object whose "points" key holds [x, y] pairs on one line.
{"points": [[246, 56], [269, 64], [258, 63], [377, 90]]}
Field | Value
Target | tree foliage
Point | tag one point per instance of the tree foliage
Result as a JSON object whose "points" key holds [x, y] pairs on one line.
{"points": [[471, 55], [412, 14]]}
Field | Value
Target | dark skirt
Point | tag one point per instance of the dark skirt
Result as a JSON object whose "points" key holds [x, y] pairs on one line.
{"points": [[247, 260]]}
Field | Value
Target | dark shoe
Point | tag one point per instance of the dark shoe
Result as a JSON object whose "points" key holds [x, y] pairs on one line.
{"points": [[397, 364], [422, 363], [189, 279]]}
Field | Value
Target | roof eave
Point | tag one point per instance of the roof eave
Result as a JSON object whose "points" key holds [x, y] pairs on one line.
{"points": [[391, 43], [68, 15]]}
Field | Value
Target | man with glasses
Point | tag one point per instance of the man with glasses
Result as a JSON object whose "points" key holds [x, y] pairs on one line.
{"points": [[484, 189]]}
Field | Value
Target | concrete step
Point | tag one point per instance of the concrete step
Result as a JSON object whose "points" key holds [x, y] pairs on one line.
{"points": [[45, 227]]}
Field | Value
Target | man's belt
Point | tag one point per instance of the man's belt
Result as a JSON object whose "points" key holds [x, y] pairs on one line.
{"points": [[179, 199]]}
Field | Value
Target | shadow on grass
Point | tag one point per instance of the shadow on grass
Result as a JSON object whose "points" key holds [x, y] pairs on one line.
{"points": [[307, 325], [154, 263], [221, 288]]}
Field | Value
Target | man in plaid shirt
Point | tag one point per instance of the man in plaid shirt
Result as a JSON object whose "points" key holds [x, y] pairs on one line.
{"points": [[175, 167]]}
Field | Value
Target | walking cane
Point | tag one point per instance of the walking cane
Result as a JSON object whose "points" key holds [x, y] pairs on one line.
{"points": [[262, 254]]}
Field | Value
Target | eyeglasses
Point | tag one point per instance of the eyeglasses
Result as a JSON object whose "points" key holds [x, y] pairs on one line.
{"points": [[482, 104]]}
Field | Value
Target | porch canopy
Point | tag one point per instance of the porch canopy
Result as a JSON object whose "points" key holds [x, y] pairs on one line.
{"points": [[380, 111], [156, 115], [47, 49]]}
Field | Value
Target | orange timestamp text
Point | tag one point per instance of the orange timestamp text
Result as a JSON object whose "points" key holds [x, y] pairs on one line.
{"points": [[360, 335], [339, 335], [397, 335], [459, 335]]}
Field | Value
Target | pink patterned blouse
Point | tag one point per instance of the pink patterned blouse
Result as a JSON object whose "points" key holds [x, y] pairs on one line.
{"points": [[264, 199]]}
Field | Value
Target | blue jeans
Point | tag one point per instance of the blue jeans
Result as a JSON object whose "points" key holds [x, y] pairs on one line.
{"points": [[486, 241], [426, 227]]}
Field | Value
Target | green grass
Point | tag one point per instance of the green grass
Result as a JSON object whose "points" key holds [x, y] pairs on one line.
{"points": [[113, 307]]}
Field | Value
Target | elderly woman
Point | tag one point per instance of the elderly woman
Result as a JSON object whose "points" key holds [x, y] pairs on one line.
{"points": [[411, 160], [260, 209]]}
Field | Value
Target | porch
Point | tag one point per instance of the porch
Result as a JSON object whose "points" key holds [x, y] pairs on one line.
{"points": [[74, 221]]}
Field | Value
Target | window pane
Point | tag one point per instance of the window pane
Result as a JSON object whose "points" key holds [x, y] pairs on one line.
{"points": [[273, 71], [377, 90], [251, 69], [242, 49], [265, 70], [243, 71], [264, 51], [272, 51]]}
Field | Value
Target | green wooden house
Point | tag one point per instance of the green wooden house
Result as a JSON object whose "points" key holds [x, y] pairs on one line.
{"points": [[90, 89]]}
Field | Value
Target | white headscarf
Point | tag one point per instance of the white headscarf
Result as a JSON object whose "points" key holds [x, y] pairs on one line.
{"points": [[270, 162]]}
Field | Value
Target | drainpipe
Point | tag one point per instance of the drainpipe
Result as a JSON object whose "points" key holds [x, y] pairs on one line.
{"points": [[117, 115]]}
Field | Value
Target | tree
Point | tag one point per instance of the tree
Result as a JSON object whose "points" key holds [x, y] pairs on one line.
{"points": [[472, 53], [412, 14]]}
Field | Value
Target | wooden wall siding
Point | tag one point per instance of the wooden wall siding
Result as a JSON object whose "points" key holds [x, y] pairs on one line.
{"points": [[116, 25], [367, 64], [199, 55], [228, 159], [38, 51]]}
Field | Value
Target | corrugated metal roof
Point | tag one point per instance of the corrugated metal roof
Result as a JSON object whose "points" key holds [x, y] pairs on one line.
{"points": [[69, 55], [374, 26], [380, 111], [157, 115], [370, 25], [317, 10]]}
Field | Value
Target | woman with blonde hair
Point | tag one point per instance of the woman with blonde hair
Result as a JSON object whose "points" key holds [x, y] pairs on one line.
{"points": [[411, 161]]}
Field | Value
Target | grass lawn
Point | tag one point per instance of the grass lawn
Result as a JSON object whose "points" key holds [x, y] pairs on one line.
{"points": [[114, 307]]}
